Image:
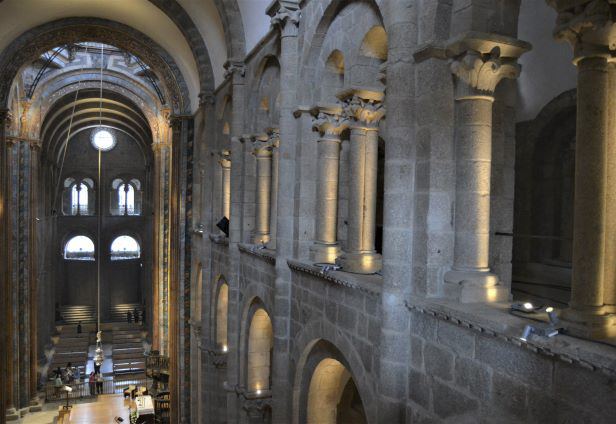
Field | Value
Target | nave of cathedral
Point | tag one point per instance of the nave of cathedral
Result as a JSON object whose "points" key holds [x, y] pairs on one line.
{"points": [[308, 211]]}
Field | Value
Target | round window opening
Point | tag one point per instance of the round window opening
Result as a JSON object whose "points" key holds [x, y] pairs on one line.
{"points": [[103, 139]]}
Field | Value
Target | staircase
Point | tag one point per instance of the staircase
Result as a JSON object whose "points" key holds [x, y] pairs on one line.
{"points": [[72, 314], [127, 352], [72, 347], [118, 312]]}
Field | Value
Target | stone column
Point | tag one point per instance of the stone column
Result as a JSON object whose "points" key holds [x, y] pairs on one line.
{"points": [[274, 140], [478, 66], [225, 165], [263, 154], [590, 29], [285, 16], [364, 108], [6, 368], [330, 122]]}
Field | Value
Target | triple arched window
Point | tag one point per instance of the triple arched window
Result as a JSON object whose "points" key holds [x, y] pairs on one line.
{"points": [[78, 198], [125, 197]]}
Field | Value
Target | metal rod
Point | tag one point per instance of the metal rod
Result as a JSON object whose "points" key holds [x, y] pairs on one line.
{"points": [[500, 233]]}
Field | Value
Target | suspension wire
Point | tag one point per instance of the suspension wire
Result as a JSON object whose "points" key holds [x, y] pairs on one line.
{"points": [[68, 137], [98, 201]]}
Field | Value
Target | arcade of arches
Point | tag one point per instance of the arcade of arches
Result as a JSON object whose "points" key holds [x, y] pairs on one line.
{"points": [[323, 211]]}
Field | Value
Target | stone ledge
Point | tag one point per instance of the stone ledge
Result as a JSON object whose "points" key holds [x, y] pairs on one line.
{"points": [[267, 255], [371, 284], [219, 239], [494, 320]]}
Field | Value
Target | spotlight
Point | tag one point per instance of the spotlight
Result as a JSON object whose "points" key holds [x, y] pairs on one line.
{"points": [[258, 391], [224, 348], [549, 309], [528, 306], [528, 330], [525, 307]]}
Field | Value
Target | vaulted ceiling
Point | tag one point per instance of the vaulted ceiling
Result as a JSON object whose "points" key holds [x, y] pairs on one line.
{"points": [[227, 28]]}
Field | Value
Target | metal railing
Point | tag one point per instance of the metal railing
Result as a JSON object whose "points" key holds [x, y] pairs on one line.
{"points": [[82, 389]]}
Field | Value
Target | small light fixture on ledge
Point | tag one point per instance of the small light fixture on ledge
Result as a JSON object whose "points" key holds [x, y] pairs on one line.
{"points": [[224, 348], [258, 392], [327, 267]]}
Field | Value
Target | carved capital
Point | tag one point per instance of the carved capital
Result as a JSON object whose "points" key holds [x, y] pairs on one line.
{"points": [[363, 108], [225, 158], [234, 68], [587, 25], [257, 408], [478, 74], [286, 15], [262, 146], [206, 99], [329, 120], [273, 135]]}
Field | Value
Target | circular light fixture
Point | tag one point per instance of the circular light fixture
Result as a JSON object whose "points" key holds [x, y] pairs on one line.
{"points": [[103, 139]]}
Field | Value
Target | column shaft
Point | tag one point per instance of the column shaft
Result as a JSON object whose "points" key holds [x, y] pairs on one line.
{"points": [[264, 186], [327, 190], [590, 184], [473, 143], [610, 200], [226, 191]]}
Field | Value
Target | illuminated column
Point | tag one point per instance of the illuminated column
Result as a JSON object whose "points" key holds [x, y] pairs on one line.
{"points": [[225, 164], [330, 122], [274, 140], [263, 153], [590, 30], [478, 67], [364, 109]]}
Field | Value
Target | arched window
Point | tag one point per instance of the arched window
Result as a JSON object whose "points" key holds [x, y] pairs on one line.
{"points": [[125, 247], [79, 248], [126, 197], [77, 197]]}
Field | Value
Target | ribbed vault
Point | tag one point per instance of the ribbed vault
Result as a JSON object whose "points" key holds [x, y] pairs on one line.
{"points": [[73, 114]]}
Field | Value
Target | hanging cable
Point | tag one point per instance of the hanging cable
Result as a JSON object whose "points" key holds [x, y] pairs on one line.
{"points": [[68, 137]]}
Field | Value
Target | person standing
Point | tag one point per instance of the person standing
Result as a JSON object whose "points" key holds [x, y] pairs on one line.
{"points": [[79, 328], [99, 383], [128, 316], [92, 383], [136, 315]]}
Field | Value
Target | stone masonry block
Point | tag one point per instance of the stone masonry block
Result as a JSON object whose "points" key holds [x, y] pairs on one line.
{"points": [[419, 389], [526, 366], [460, 340], [452, 404], [438, 362], [473, 376], [508, 395]]}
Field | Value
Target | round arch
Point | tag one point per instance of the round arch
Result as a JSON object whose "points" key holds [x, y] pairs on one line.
{"points": [[31, 44]]}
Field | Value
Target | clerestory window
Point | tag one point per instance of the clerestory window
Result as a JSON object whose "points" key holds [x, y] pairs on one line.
{"points": [[125, 247], [79, 248]]}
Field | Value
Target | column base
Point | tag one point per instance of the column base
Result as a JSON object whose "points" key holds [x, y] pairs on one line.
{"points": [[589, 324], [361, 263], [324, 253], [260, 239], [474, 287], [12, 414], [36, 405]]}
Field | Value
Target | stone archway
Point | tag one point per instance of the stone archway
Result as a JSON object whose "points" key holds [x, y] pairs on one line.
{"points": [[31, 44]]}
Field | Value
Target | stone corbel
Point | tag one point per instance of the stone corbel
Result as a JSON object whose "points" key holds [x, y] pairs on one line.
{"points": [[256, 408], [206, 99], [329, 120], [364, 107], [286, 15]]}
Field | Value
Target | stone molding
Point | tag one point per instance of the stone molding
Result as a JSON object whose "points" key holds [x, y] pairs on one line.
{"points": [[329, 120], [219, 239], [567, 351], [262, 146], [255, 407], [363, 107], [267, 255], [370, 284], [479, 74], [225, 158], [273, 135]]}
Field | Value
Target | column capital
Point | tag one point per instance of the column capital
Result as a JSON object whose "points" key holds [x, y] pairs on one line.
{"points": [[225, 158], [206, 99], [273, 134], [329, 120], [481, 60], [587, 25], [262, 146], [363, 107], [157, 147], [286, 15], [234, 68]]}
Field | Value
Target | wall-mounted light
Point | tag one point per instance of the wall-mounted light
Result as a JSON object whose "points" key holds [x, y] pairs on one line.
{"points": [[224, 348]]}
